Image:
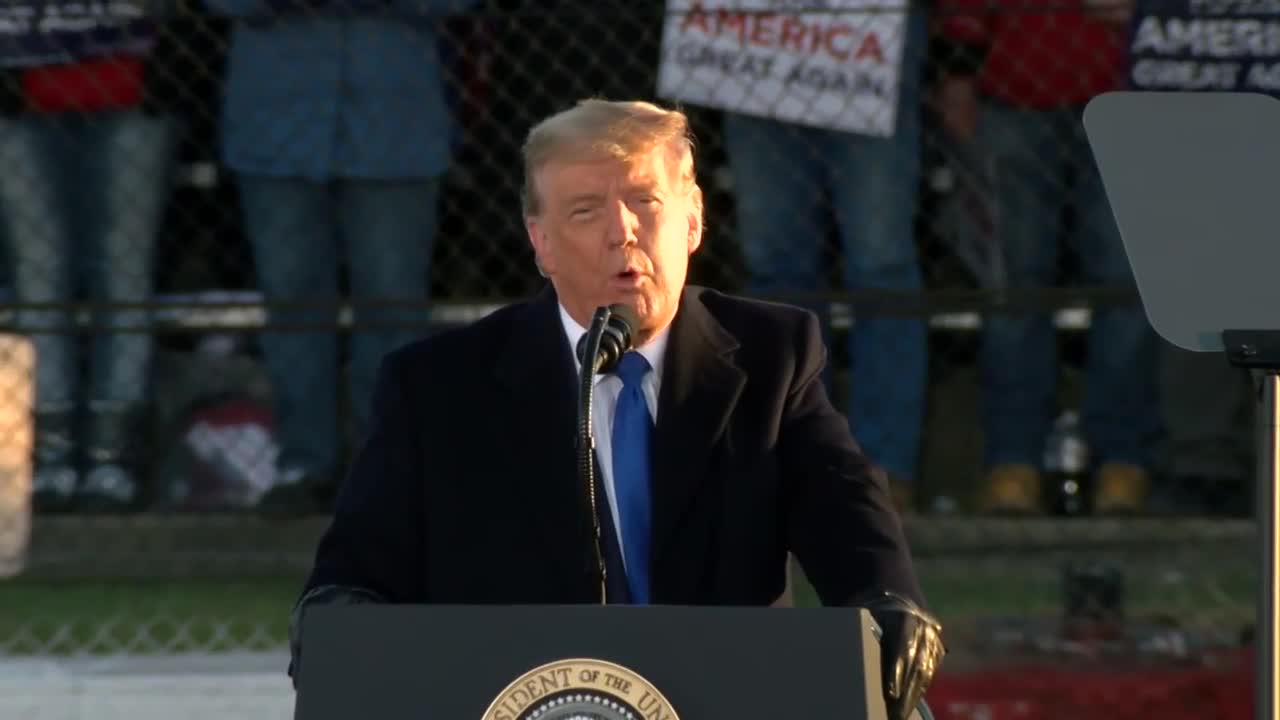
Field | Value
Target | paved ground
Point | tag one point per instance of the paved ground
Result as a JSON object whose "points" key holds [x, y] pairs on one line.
{"points": [[243, 686]]}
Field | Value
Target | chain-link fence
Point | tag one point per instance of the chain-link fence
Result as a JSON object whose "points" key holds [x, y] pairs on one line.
{"points": [[216, 216]]}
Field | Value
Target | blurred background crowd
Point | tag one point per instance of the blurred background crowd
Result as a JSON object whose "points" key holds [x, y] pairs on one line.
{"points": [[216, 216]]}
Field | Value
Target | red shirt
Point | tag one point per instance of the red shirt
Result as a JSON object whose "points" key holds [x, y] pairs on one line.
{"points": [[1040, 53], [98, 84]]}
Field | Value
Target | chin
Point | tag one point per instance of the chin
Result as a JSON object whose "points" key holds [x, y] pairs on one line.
{"points": [[652, 316], [645, 308], [635, 301], [650, 310]]}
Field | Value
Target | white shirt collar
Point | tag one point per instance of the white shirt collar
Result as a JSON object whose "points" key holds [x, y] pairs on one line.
{"points": [[654, 351]]}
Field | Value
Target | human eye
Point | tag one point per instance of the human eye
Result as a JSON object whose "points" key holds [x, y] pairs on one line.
{"points": [[649, 201]]}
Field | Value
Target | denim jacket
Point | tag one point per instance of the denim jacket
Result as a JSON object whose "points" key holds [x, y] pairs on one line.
{"points": [[340, 89]]}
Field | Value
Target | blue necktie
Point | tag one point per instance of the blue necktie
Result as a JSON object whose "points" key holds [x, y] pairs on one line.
{"points": [[632, 427]]}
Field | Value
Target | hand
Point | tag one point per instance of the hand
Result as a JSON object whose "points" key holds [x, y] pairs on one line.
{"points": [[323, 595], [911, 650], [958, 105]]}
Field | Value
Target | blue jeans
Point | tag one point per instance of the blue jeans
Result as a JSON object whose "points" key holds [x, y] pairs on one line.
{"points": [[302, 233], [1033, 153], [787, 179], [81, 201]]}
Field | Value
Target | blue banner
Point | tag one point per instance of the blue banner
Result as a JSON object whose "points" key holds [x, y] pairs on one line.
{"points": [[1220, 45], [51, 32]]}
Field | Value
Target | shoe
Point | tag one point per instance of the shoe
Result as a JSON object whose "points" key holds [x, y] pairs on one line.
{"points": [[113, 457], [53, 488], [1120, 488], [1011, 489], [55, 477], [107, 488]]}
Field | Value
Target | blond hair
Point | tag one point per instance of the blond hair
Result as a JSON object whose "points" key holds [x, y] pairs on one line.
{"points": [[602, 128]]}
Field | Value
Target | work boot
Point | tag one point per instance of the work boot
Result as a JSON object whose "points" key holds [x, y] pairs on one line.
{"points": [[1120, 489], [1011, 489]]}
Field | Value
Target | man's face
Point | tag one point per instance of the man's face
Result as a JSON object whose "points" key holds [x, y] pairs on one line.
{"points": [[611, 231]]}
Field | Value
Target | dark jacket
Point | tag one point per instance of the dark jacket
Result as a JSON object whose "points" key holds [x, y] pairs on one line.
{"points": [[465, 490]]}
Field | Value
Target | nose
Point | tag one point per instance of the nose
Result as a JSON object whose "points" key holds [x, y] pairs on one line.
{"points": [[622, 224]]}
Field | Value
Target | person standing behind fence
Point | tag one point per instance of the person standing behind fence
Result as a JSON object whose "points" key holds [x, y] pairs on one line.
{"points": [[784, 176], [335, 124], [86, 154], [1017, 92], [1208, 450]]}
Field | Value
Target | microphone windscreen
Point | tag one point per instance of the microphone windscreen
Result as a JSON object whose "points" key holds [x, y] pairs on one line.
{"points": [[626, 317]]}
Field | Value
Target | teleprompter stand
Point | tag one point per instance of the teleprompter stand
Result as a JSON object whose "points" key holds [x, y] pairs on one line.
{"points": [[1192, 180]]}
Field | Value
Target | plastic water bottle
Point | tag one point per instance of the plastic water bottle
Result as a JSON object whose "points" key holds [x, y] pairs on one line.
{"points": [[1066, 463]]}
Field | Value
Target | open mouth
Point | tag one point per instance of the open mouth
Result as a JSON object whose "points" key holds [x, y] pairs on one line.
{"points": [[628, 275]]}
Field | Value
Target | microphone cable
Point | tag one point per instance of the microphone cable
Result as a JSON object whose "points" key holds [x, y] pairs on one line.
{"points": [[586, 442]]}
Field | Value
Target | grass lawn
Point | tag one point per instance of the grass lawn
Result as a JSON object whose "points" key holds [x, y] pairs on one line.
{"points": [[79, 617], [62, 618]]}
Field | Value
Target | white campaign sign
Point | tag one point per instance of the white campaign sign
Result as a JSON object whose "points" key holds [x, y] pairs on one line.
{"points": [[824, 63]]}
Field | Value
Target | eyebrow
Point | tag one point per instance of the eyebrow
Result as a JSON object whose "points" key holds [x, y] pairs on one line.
{"points": [[648, 186], [645, 186], [585, 197]]}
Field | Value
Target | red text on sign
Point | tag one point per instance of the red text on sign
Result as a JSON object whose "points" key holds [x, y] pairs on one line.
{"points": [[788, 32]]}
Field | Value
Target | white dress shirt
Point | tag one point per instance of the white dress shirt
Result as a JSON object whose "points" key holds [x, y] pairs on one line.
{"points": [[605, 401]]}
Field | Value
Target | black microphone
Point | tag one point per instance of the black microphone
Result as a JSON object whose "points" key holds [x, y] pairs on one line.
{"points": [[611, 334], [616, 336]]}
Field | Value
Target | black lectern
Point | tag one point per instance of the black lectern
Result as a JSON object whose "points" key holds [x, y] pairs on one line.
{"points": [[588, 662]]}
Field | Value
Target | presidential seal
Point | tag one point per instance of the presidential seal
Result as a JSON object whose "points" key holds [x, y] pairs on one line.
{"points": [[581, 689]]}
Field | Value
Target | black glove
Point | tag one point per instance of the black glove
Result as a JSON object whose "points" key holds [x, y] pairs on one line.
{"points": [[323, 595], [911, 650]]}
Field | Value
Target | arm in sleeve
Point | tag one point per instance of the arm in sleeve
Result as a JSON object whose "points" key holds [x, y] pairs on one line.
{"points": [[372, 550], [840, 520]]}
